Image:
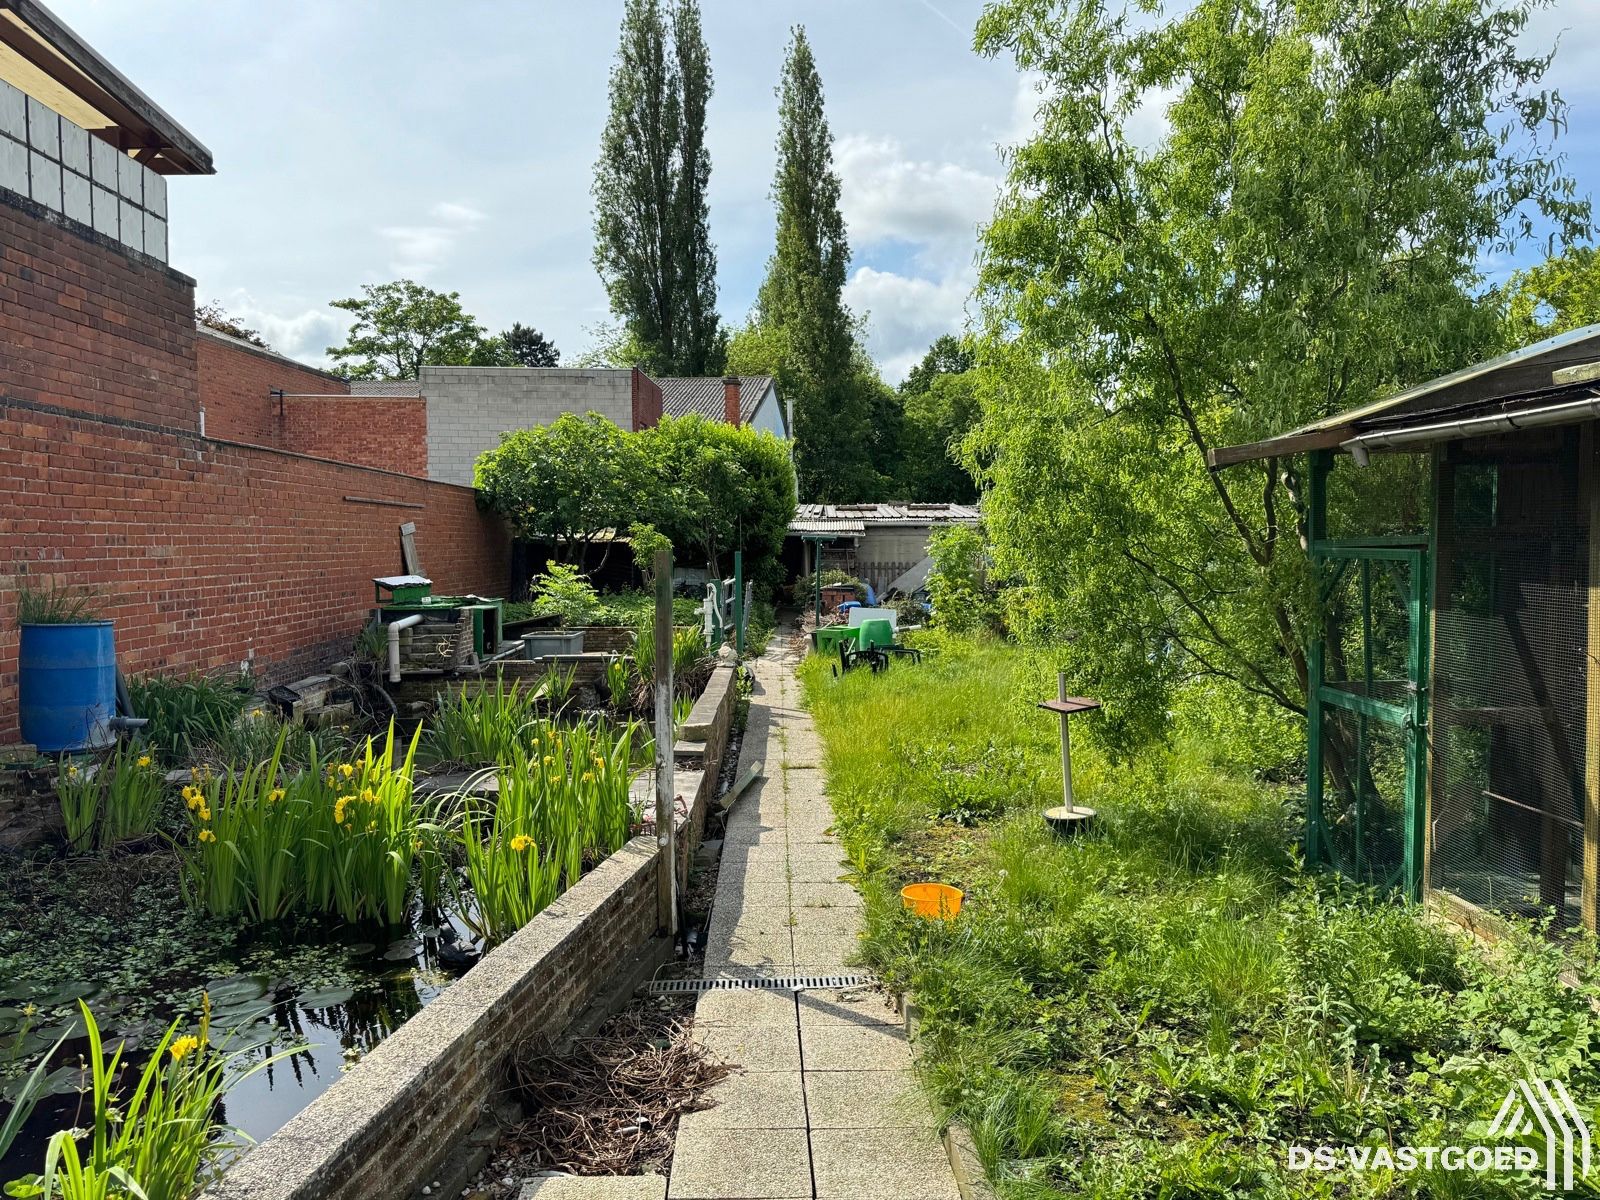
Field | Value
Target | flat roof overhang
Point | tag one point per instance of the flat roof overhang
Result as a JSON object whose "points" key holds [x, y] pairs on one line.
{"points": [[1517, 380], [51, 63]]}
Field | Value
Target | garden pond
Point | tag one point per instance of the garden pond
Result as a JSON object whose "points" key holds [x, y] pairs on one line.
{"points": [[109, 934], [291, 910]]}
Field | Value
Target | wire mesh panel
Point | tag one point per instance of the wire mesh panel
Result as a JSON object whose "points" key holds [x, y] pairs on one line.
{"points": [[1368, 627], [1510, 675], [1364, 796]]}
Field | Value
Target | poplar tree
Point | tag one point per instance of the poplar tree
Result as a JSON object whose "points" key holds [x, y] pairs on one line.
{"points": [[802, 296], [702, 345], [652, 240]]}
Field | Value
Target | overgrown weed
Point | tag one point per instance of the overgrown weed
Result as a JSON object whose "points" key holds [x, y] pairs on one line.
{"points": [[1164, 1006]]}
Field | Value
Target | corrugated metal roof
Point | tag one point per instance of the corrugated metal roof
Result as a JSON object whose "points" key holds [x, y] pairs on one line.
{"points": [[824, 525], [385, 387], [682, 395], [854, 518]]}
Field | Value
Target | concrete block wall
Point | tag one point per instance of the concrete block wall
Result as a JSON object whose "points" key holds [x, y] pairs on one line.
{"points": [[60, 165], [470, 407]]}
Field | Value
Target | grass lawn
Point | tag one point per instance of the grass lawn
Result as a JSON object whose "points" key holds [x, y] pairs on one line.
{"points": [[1163, 1008]]}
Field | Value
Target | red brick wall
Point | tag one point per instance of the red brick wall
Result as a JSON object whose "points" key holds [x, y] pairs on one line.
{"points": [[646, 401], [317, 416], [91, 328], [206, 551], [387, 432], [236, 385]]}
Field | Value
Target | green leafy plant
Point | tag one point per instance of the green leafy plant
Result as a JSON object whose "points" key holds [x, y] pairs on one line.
{"points": [[154, 1141], [956, 582], [483, 726], [565, 591], [185, 711], [55, 604], [341, 837], [134, 789], [564, 803], [257, 734], [691, 661], [80, 795], [619, 680]]}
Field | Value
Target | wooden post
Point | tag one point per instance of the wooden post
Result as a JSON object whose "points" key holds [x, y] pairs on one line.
{"points": [[738, 603], [1589, 478], [1066, 747], [666, 834]]}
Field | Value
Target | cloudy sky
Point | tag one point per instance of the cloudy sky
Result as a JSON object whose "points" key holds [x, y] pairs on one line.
{"points": [[452, 142]]}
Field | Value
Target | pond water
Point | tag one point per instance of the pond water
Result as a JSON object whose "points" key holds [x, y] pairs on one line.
{"points": [[379, 979]]}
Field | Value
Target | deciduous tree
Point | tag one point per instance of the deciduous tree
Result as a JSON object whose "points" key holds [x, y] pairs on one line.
{"points": [[401, 327], [1305, 235], [719, 488], [939, 407], [569, 482], [1559, 294]]}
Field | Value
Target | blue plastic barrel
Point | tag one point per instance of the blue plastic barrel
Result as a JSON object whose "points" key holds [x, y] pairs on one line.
{"points": [[67, 684]]}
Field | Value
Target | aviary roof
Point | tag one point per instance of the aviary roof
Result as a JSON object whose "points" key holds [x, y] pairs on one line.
{"points": [[51, 63], [1521, 374], [681, 396]]}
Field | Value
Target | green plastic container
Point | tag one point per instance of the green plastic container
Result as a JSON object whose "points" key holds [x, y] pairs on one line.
{"points": [[829, 638], [877, 634]]}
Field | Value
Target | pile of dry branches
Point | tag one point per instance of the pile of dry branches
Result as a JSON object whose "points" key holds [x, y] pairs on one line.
{"points": [[611, 1106]]}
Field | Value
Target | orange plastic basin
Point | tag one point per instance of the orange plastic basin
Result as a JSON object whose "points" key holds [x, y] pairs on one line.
{"points": [[932, 900]]}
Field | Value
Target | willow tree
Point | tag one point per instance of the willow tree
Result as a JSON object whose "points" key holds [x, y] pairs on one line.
{"points": [[1303, 233]]}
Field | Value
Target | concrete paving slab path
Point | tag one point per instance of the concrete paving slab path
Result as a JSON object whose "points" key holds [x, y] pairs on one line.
{"points": [[826, 1105]]}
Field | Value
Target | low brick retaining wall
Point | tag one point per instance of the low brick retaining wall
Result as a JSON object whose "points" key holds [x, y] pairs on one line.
{"points": [[609, 639], [384, 1129]]}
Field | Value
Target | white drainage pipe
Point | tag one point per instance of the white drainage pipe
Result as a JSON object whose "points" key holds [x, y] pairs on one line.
{"points": [[394, 628]]}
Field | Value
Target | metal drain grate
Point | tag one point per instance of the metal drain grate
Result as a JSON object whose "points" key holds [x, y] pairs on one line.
{"points": [[782, 983]]}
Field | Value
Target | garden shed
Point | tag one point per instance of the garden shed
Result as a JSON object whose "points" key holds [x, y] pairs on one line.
{"points": [[1454, 711]]}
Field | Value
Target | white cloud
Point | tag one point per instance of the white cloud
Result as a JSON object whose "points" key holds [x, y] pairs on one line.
{"points": [[1025, 104], [418, 250], [303, 336], [887, 195], [906, 314]]}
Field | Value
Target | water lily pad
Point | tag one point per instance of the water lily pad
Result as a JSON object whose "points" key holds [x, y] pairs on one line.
{"points": [[25, 1045], [361, 949], [249, 1011], [324, 997], [137, 1034], [234, 989], [11, 1020], [64, 993], [70, 1027], [404, 948], [62, 1081]]}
